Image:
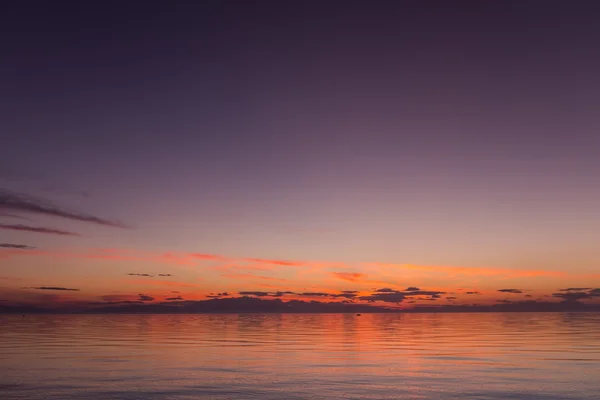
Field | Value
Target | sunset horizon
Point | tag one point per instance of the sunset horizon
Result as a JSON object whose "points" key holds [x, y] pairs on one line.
{"points": [[300, 200]]}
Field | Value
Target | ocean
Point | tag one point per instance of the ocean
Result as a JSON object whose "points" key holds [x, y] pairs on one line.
{"points": [[486, 356]]}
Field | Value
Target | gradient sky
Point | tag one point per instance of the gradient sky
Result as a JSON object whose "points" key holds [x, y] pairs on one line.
{"points": [[306, 146]]}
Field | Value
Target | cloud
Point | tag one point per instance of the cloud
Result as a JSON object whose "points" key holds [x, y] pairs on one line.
{"points": [[424, 293], [257, 294], [11, 201], [576, 289], [52, 288], [165, 275], [571, 295], [385, 290], [145, 297], [395, 297], [345, 295], [510, 290], [279, 293], [314, 294], [472, 293], [37, 229], [349, 276], [8, 215], [117, 302], [134, 274], [174, 298], [214, 296], [16, 246]]}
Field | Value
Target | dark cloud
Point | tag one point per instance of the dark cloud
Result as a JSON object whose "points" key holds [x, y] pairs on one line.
{"points": [[345, 295], [37, 229], [279, 293], [432, 293], [214, 296], [574, 289], [506, 301], [510, 290], [174, 298], [528, 295], [134, 274], [52, 288], [349, 291], [472, 292], [450, 298], [257, 294], [395, 297], [315, 294], [165, 275], [15, 202], [145, 297], [16, 246], [572, 296]]}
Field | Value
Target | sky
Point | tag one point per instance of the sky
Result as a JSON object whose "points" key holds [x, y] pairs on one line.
{"points": [[340, 147]]}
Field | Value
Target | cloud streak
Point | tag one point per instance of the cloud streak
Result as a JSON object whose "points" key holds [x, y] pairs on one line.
{"points": [[37, 229], [349, 276], [15, 202], [53, 288], [16, 246]]}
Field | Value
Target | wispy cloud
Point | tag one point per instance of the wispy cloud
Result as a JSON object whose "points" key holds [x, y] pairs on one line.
{"points": [[16, 202], [37, 229], [53, 288], [510, 291], [349, 276], [256, 293], [9, 215], [16, 246]]}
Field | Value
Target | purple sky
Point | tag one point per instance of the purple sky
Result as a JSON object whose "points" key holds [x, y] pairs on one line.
{"points": [[428, 133]]}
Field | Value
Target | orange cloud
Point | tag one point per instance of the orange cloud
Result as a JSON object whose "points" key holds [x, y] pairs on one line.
{"points": [[349, 276]]}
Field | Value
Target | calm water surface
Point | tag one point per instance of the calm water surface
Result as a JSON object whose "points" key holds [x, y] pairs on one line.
{"points": [[377, 356]]}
